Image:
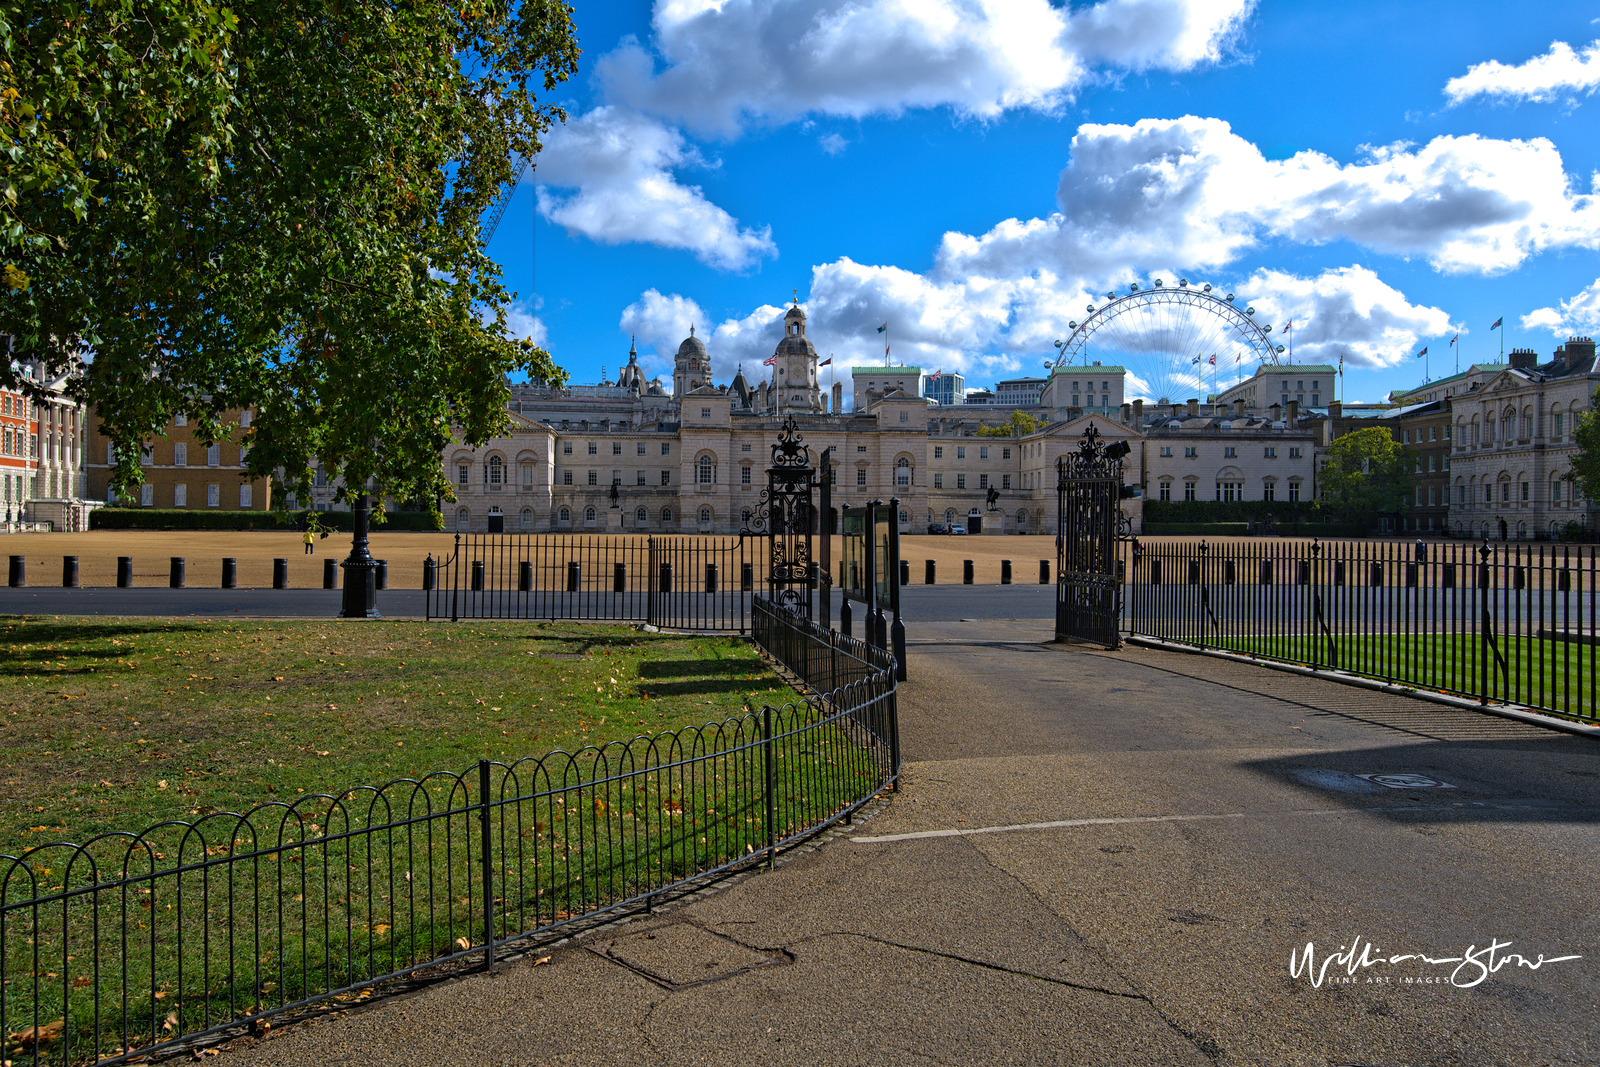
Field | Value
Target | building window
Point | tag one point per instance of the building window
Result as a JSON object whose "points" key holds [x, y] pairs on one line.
{"points": [[1005, 481], [588, 515], [1268, 490], [744, 474], [594, 449], [905, 416], [1166, 450], [861, 476], [213, 495], [666, 448], [1555, 491], [705, 515], [861, 448], [961, 451], [938, 451], [961, 481], [464, 518], [1316, 401], [616, 477], [1433, 496], [1190, 452], [1165, 491], [245, 496], [1269, 453], [902, 472], [1294, 453], [705, 470], [214, 455], [177, 420], [566, 448], [641, 516], [496, 474], [983, 481], [1188, 491], [1005, 453], [639, 478], [594, 477], [705, 413], [147, 495], [180, 496], [666, 477], [180, 454], [983, 453], [666, 515], [1294, 492], [527, 474], [938, 481], [1525, 486], [566, 477], [244, 418]]}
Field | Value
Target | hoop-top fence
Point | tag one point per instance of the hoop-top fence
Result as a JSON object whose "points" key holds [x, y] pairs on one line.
{"points": [[1496, 622]]}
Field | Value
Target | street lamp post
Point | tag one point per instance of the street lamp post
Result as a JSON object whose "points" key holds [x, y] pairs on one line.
{"points": [[360, 569]]}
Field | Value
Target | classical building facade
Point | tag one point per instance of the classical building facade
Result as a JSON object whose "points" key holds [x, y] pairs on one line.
{"points": [[181, 471], [41, 457]]}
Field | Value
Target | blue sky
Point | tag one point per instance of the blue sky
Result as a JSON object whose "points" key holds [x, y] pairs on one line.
{"points": [[974, 171]]}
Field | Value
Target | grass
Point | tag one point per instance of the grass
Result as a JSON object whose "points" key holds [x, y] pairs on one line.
{"points": [[1558, 677], [119, 723]]}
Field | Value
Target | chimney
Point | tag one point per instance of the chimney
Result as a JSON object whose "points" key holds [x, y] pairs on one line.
{"points": [[1138, 412], [1177, 411], [1294, 413], [1523, 359], [1238, 408], [1277, 413], [1580, 350], [1335, 410], [1127, 413], [1194, 407], [838, 397]]}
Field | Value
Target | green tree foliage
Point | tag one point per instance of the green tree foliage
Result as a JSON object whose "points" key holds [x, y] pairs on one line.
{"points": [[1585, 462], [1020, 424], [1366, 473], [275, 205]]}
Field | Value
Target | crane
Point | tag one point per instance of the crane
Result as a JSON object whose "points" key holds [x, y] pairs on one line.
{"points": [[497, 209]]}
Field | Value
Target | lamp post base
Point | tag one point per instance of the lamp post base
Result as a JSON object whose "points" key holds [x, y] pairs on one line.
{"points": [[360, 600]]}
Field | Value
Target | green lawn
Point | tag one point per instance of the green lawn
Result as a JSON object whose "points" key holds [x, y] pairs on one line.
{"points": [[119, 723], [1555, 676]]}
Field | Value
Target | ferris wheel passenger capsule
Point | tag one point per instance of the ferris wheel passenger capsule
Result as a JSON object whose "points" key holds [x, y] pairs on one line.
{"points": [[1249, 311], [1206, 287], [1230, 298], [1183, 283], [1267, 328], [1158, 283], [1280, 350]]}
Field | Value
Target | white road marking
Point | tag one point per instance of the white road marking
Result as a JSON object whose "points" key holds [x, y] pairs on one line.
{"points": [[1063, 824]]}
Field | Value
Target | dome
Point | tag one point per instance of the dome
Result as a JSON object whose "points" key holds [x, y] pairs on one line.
{"points": [[795, 313], [692, 348]]}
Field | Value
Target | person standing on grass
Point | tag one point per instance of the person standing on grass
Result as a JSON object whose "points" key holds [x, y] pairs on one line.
{"points": [[311, 543]]}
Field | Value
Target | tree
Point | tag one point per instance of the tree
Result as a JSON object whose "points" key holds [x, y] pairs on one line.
{"points": [[1584, 464], [1365, 473], [273, 205], [1018, 425]]}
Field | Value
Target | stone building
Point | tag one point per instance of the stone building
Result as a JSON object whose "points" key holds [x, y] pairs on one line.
{"points": [[1228, 455], [41, 457], [182, 471], [1513, 444], [1423, 431]]}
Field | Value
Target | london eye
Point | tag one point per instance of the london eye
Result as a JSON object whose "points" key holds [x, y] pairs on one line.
{"points": [[1174, 341]]}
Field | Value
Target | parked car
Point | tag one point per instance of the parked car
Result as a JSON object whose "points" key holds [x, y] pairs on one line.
{"points": [[936, 527], [957, 528]]}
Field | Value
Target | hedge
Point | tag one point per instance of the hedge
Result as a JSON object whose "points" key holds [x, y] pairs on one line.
{"points": [[113, 518], [1215, 529]]}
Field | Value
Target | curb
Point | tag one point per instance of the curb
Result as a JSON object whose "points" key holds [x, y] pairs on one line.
{"points": [[1505, 711]]}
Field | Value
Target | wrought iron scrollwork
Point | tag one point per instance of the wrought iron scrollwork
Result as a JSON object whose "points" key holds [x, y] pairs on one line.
{"points": [[785, 514], [1090, 522]]}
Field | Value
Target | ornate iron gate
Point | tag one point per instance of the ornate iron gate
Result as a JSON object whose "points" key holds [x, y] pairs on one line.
{"points": [[787, 517], [1088, 564]]}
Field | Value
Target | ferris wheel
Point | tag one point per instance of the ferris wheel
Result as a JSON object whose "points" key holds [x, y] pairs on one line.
{"points": [[1174, 341]]}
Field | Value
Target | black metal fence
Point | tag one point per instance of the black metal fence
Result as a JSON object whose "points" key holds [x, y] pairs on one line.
{"points": [[692, 583], [133, 942], [1497, 622]]}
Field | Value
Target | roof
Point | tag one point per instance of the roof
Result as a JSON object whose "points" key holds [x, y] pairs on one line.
{"points": [[885, 371]]}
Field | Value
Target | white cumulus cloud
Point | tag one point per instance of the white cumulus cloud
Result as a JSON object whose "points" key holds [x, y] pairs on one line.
{"points": [[1579, 315], [725, 64], [1190, 190], [1349, 312], [1558, 74], [620, 167]]}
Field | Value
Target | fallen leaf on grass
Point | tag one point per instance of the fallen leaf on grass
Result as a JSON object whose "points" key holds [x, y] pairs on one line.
{"points": [[541, 961], [463, 944], [35, 1034]]}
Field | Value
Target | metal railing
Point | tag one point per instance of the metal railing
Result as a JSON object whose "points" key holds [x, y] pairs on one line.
{"points": [[1497, 622], [134, 942], [694, 583]]}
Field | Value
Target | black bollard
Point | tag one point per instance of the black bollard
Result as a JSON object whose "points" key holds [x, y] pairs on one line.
{"points": [[905, 572], [383, 574], [927, 572], [1005, 572], [966, 572], [477, 576], [711, 577], [124, 571], [280, 574], [525, 576], [69, 572], [747, 576], [19, 572], [619, 577], [1044, 572], [666, 577], [430, 568], [574, 576], [230, 572], [175, 574], [330, 573], [844, 616]]}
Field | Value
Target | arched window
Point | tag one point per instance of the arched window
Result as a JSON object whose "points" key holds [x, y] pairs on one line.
{"points": [[902, 472], [565, 514], [496, 471], [641, 515], [527, 473], [527, 516], [588, 514], [1022, 518], [463, 517], [949, 515], [706, 470], [744, 516], [705, 514], [666, 515]]}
